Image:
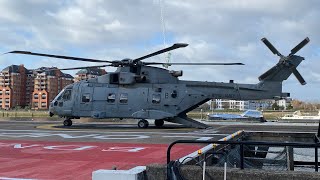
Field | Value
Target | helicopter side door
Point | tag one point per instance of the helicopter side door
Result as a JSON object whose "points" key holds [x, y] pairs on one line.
{"points": [[132, 100], [85, 105], [111, 105]]}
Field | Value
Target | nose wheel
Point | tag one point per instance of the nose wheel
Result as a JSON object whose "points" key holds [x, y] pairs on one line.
{"points": [[143, 123], [67, 122]]}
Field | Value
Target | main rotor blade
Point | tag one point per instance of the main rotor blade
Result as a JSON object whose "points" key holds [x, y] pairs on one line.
{"points": [[298, 75], [270, 46], [84, 67], [299, 46], [174, 46], [155, 63], [59, 56]]}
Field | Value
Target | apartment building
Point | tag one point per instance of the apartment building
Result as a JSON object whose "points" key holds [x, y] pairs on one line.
{"points": [[12, 86], [34, 88], [47, 84], [88, 73], [241, 105], [231, 104]]}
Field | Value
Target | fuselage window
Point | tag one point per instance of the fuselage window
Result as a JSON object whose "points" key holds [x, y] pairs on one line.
{"points": [[67, 95], [123, 98], [111, 98], [85, 98], [156, 98]]}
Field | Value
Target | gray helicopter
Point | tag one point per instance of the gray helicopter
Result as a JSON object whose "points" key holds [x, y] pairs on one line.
{"points": [[139, 91]]}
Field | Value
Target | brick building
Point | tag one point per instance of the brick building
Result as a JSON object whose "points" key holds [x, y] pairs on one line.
{"points": [[13, 86], [47, 84], [88, 73], [34, 88]]}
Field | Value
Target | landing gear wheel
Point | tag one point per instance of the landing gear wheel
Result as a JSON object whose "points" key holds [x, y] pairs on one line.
{"points": [[143, 123], [67, 122], [158, 122]]}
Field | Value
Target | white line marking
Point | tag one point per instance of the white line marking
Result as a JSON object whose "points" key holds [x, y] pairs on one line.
{"points": [[204, 138], [103, 132]]}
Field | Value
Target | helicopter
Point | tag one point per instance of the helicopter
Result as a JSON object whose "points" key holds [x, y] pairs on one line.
{"points": [[139, 90]]}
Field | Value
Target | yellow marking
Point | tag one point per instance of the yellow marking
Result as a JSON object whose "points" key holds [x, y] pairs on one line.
{"points": [[214, 146], [225, 139], [232, 135], [54, 127], [199, 152]]}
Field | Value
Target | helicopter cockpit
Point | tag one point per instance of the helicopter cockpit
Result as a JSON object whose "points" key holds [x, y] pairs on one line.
{"points": [[60, 101]]}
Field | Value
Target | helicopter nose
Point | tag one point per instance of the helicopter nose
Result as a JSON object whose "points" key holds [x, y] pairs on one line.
{"points": [[51, 110]]}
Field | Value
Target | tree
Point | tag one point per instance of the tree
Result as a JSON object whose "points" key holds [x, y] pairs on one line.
{"points": [[289, 107], [205, 107], [275, 106], [296, 104]]}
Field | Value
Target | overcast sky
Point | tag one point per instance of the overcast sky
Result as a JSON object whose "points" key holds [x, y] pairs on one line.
{"points": [[216, 31]]}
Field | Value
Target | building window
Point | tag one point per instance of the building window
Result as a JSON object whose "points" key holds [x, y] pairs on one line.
{"points": [[36, 96], [35, 104], [7, 92], [156, 98], [1, 93], [111, 98], [43, 96], [123, 98], [86, 98], [43, 104]]}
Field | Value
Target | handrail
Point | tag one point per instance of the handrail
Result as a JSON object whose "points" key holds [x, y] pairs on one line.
{"points": [[242, 143]]}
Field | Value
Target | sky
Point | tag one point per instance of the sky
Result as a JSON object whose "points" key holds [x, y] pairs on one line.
{"points": [[216, 31]]}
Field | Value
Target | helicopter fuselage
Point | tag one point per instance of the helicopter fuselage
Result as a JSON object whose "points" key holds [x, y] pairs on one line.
{"points": [[147, 93]]}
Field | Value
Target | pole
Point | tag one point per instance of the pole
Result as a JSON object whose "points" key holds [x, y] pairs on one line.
{"points": [[241, 156], [204, 170], [316, 164], [201, 113], [225, 171]]}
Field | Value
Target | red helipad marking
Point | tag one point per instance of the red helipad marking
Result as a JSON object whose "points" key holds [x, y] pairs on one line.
{"points": [[69, 160]]}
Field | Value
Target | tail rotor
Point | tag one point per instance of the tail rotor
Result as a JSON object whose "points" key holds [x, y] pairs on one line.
{"points": [[290, 62]]}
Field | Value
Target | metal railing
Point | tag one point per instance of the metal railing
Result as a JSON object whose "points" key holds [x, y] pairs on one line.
{"points": [[315, 145]]}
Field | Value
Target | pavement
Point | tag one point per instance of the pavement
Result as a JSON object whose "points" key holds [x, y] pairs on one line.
{"points": [[47, 150]]}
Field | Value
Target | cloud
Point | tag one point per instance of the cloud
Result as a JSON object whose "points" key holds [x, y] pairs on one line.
{"points": [[217, 31]]}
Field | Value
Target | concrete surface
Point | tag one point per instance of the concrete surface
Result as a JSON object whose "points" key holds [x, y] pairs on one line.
{"points": [[155, 172], [136, 173]]}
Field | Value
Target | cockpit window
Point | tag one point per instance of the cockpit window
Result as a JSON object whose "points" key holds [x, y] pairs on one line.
{"points": [[67, 94]]}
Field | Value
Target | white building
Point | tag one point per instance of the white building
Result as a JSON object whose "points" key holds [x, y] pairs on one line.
{"points": [[284, 102], [241, 105], [230, 104]]}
